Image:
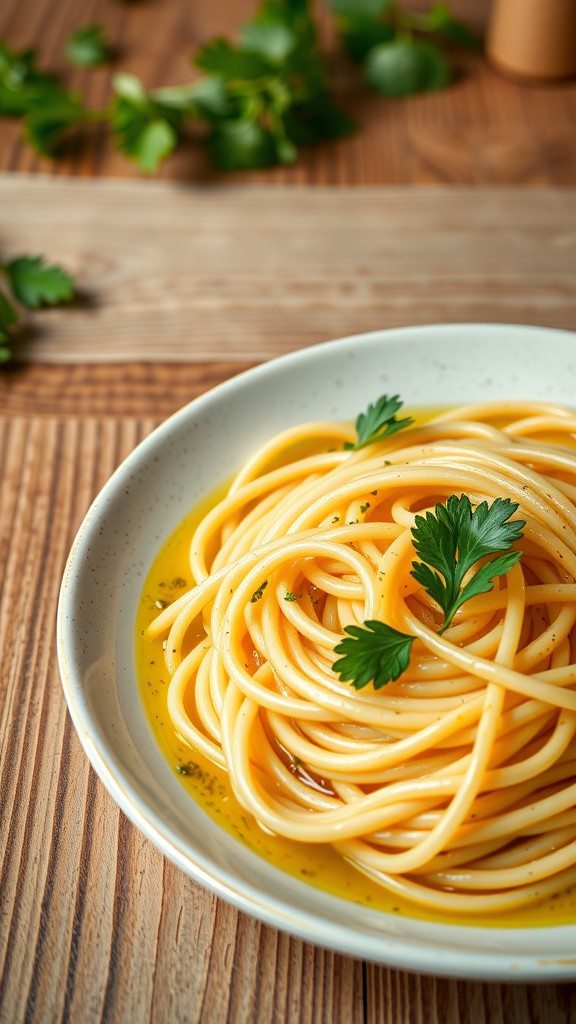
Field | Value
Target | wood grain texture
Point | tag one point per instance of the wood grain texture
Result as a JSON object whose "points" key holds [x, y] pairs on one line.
{"points": [[95, 926], [101, 389], [482, 129], [168, 272]]}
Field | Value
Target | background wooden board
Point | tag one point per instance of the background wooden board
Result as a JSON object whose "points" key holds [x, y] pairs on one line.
{"points": [[481, 130], [95, 926], [175, 273]]}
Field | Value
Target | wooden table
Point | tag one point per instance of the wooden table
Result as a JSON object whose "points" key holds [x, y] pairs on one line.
{"points": [[95, 925]]}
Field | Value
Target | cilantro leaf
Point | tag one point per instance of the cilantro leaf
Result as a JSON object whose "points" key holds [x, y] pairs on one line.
{"points": [[453, 538], [373, 653], [406, 66], [144, 129], [8, 320], [88, 47], [34, 284], [379, 421]]}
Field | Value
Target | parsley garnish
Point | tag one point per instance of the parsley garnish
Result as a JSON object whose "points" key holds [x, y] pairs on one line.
{"points": [[88, 47], [364, 508], [258, 593], [261, 98], [144, 128], [453, 539], [380, 34], [8, 321], [22, 85], [289, 596], [33, 284], [379, 421], [373, 653]]}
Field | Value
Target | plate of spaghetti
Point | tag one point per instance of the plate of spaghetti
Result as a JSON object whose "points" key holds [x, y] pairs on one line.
{"points": [[334, 675]]}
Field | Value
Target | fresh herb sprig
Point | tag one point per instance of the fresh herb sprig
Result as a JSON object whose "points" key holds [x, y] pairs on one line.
{"points": [[450, 542], [49, 111], [275, 90], [88, 47], [33, 284], [453, 539], [380, 35], [373, 653], [378, 422], [260, 99]]}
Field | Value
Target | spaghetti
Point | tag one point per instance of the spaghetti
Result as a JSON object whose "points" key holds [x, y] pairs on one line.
{"points": [[455, 785]]}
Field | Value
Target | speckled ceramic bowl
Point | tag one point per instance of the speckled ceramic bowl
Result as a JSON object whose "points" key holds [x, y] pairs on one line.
{"points": [[142, 504]]}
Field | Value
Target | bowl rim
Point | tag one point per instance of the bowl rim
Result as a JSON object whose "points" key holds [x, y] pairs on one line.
{"points": [[401, 953]]}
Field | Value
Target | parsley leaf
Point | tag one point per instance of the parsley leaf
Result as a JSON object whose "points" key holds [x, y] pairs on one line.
{"points": [[144, 128], [21, 84], [275, 84], [379, 421], [49, 111], [406, 66], [453, 539], [219, 57], [360, 33], [379, 33], [373, 653], [441, 21], [361, 25], [8, 320], [241, 145], [34, 284], [365, 8], [50, 115], [88, 47]]}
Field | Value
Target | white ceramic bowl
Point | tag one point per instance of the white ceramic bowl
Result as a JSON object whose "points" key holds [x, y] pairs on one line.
{"points": [[142, 504]]}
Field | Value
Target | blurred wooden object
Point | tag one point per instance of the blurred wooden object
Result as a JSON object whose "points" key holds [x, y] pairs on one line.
{"points": [[179, 273], [533, 39], [481, 130]]}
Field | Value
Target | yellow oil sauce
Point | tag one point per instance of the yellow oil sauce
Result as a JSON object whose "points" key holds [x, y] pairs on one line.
{"points": [[317, 864]]}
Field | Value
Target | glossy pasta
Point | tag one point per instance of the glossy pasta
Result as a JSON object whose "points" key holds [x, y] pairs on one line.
{"points": [[454, 786]]}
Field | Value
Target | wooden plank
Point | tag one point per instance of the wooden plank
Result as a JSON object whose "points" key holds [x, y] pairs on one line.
{"points": [[95, 926], [173, 273], [101, 389], [480, 130]]}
